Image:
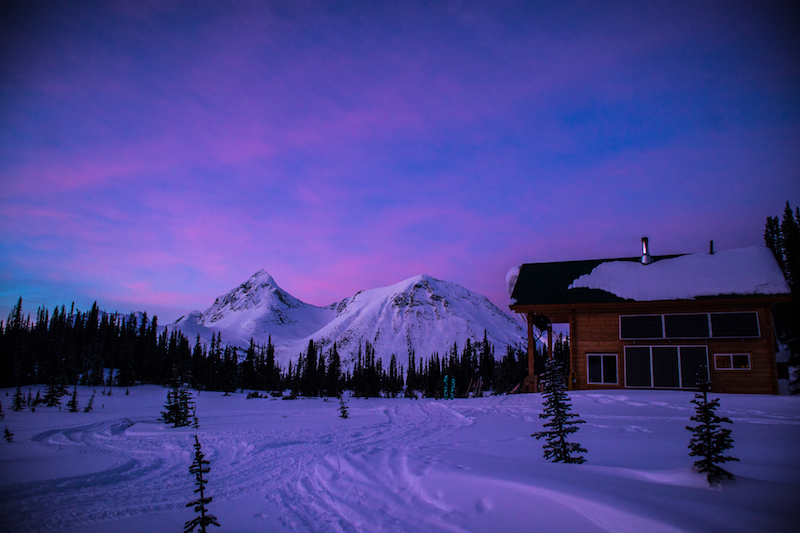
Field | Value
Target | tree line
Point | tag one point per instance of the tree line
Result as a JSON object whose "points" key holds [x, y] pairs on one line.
{"points": [[69, 347]]}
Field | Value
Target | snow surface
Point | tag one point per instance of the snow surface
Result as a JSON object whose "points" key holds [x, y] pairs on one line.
{"points": [[751, 270], [396, 465], [422, 313]]}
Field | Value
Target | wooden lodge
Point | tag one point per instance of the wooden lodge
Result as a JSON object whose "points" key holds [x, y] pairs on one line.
{"points": [[660, 322]]}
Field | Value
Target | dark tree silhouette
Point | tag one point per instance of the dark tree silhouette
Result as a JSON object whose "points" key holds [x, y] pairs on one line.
{"points": [[562, 422], [198, 468], [709, 438]]}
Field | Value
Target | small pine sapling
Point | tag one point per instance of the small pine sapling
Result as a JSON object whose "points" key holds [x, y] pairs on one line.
{"points": [[52, 398], [90, 405], [562, 422], [198, 469], [18, 402], [8, 435], [709, 438], [2, 414], [72, 404], [343, 413]]}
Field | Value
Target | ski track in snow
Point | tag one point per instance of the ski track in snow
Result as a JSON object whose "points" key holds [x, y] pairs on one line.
{"points": [[294, 468]]}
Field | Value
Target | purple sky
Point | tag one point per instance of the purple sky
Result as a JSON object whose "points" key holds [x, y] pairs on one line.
{"points": [[154, 156]]}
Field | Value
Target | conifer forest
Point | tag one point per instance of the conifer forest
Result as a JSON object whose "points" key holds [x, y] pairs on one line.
{"points": [[64, 348]]}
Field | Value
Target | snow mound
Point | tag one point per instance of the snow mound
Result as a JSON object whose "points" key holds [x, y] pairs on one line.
{"points": [[742, 271]]}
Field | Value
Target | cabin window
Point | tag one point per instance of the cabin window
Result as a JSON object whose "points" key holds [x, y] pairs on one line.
{"points": [[689, 326], [735, 324], [601, 368], [686, 326], [666, 368], [637, 367], [641, 327], [732, 361], [669, 367]]}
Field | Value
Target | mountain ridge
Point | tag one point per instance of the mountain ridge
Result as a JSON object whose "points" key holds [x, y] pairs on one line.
{"points": [[420, 313]]}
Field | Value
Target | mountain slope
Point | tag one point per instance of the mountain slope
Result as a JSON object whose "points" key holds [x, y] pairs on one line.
{"points": [[257, 308], [422, 313]]}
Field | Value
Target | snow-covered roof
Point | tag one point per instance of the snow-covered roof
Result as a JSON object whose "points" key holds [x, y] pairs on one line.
{"points": [[742, 271]]}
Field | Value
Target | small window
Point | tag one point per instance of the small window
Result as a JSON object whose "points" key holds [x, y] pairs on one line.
{"points": [[686, 326], [735, 324], [640, 327], [732, 361], [601, 368]]}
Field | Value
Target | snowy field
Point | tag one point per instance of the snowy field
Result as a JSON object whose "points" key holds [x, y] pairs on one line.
{"points": [[396, 465]]}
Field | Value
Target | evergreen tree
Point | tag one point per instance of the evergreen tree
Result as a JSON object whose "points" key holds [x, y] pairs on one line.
{"points": [[2, 414], [411, 376], [178, 409], [333, 375], [709, 438], [18, 403], [783, 238], [343, 413], [52, 398], [198, 468], [72, 404], [562, 422], [90, 405], [487, 362], [8, 435]]}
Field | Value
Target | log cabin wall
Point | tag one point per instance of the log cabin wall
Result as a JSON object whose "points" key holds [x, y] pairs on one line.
{"points": [[595, 329]]}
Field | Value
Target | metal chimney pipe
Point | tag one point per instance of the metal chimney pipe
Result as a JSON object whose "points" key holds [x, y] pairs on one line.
{"points": [[711, 247], [646, 258]]}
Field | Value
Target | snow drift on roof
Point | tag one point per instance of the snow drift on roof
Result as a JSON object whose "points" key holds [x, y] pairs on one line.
{"points": [[511, 279], [751, 270]]}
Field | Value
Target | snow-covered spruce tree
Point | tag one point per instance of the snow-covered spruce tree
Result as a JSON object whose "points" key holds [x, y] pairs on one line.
{"points": [[8, 435], [343, 413], [90, 405], [72, 404], [562, 422], [709, 438], [198, 469], [2, 414]]}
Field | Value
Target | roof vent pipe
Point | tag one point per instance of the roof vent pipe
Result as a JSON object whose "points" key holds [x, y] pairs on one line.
{"points": [[711, 247], [646, 258]]}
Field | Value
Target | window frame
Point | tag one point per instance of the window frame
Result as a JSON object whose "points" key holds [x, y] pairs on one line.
{"points": [[602, 368], [758, 325], [619, 322], [679, 347], [730, 358], [708, 318]]}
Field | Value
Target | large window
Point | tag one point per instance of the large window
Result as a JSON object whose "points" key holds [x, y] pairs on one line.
{"points": [[641, 327], [686, 326], [735, 324], [689, 326], [669, 367], [601, 368]]}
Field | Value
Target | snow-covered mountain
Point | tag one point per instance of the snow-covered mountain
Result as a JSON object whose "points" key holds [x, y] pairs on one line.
{"points": [[257, 308], [422, 313]]}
